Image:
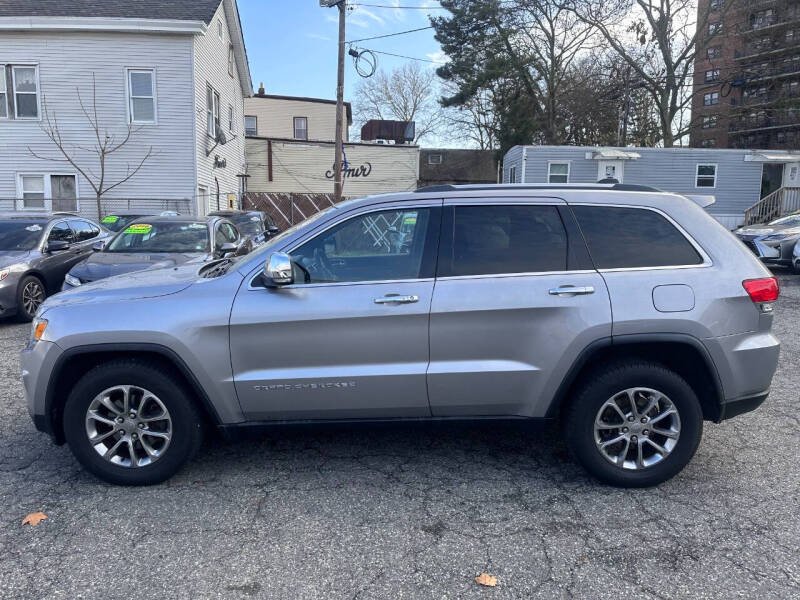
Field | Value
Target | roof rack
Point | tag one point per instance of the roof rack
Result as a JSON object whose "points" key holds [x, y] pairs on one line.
{"points": [[620, 187]]}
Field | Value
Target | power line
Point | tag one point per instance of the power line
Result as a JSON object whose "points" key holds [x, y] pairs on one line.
{"points": [[427, 60], [401, 7], [378, 37]]}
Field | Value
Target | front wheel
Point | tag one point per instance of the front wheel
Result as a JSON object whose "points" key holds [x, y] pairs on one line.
{"points": [[634, 423], [30, 295], [131, 423]]}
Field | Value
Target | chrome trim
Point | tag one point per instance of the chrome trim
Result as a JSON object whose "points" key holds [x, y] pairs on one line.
{"points": [[295, 286], [570, 290], [526, 274], [396, 300], [278, 269]]}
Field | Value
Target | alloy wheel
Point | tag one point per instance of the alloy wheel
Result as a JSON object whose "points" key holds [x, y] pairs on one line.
{"points": [[32, 296], [128, 426], [637, 428]]}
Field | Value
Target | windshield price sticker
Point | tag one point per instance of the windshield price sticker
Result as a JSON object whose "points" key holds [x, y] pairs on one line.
{"points": [[33, 228], [110, 219], [197, 226], [139, 228]]}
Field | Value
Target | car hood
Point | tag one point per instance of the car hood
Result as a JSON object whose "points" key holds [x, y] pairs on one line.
{"points": [[133, 286], [107, 264], [12, 257]]}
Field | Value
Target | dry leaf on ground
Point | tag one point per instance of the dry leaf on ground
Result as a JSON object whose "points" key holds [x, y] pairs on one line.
{"points": [[486, 579], [33, 519]]}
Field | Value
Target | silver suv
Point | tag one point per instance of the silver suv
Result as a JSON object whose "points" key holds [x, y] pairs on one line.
{"points": [[627, 314]]}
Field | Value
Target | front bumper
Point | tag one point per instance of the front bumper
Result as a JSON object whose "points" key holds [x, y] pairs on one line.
{"points": [[8, 295], [739, 406], [38, 361], [773, 253]]}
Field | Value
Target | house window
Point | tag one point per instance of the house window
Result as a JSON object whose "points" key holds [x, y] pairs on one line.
{"points": [[512, 175], [709, 143], [557, 172], [231, 70], [25, 80], [3, 94], [709, 121], [141, 96], [714, 28], [212, 111], [230, 118], [301, 128], [713, 52], [711, 99], [219, 28], [34, 188], [250, 125], [435, 159], [31, 189], [712, 75], [706, 176]]}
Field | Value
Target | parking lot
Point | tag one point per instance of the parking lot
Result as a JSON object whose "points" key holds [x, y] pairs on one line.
{"points": [[403, 512]]}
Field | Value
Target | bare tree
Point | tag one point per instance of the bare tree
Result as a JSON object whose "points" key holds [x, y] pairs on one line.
{"points": [[659, 40], [474, 122], [408, 94], [106, 144]]}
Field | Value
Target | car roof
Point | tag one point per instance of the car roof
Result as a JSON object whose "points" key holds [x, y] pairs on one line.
{"points": [[175, 219], [133, 212], [233, 213], [26, 216]]}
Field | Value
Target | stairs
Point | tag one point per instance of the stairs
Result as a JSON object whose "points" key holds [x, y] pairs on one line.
{"points": [[781, 202]]}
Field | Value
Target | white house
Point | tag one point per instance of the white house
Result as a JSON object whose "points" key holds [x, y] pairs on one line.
{"points": [[175, 72]]}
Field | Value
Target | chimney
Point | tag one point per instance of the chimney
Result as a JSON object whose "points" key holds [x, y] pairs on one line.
{"points": [[261, 91]]}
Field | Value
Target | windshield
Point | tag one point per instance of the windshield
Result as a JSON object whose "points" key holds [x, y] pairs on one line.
{"points": [[790, 221], [161, 237], [248, 224], [19, 235], [116, 223]]}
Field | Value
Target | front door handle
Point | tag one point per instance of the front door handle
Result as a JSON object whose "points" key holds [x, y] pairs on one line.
{"points": [[571, 290], [396, 299]]}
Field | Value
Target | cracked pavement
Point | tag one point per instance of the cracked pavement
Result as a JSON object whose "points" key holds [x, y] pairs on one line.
{"points": [[408, 512]]}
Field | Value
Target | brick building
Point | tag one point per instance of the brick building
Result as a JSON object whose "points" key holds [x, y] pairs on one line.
{"points": [[747, 78]]}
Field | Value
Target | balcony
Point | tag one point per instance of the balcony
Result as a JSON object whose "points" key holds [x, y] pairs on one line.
{"points": [[769, 97], [770, 70], [777, 120], [768, 47]]}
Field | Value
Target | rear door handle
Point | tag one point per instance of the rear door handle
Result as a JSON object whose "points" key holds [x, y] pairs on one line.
{"points": [[396, 300], [571, 290]]}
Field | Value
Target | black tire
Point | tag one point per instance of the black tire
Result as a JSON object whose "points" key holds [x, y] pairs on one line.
{"points": [[28, 284], [187, 423], [605, 382]]}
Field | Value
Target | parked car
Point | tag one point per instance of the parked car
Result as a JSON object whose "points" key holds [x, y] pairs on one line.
{"points": [[253, 224], [36, 251], [629, 315], [157, 243], [773, 242]]}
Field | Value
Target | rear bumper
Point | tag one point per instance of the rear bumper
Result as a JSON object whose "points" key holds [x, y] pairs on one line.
{"points": [[739, 406]]}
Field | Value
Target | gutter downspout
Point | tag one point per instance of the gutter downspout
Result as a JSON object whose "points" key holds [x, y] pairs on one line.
{"points": [[524, 163]]}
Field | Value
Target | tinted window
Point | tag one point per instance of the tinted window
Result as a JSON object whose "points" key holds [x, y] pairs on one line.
{"points": [[161, 236], [249, 224], [61, 233], [633, 237], [226, 235], [20, 235], [84, 230], [504, 239], [372, 247]]}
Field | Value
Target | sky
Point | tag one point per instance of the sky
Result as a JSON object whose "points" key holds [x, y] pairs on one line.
{"points": [[291, 44]]}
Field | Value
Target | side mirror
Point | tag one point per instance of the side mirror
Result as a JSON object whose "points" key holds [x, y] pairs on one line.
{"points": [[278, 269], [98, 246], [57, 246], [243, 248], [227, 249], [271, 230]]}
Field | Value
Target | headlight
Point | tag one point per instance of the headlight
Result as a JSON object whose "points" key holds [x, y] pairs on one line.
{"points": [[777, 237], [38, 327], [4, 273], [72, 280]]}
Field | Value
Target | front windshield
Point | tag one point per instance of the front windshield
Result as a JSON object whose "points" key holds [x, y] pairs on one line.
{"points": [[248, 224], [19, 235], [790, 221], [116, 223], [162, 236]]}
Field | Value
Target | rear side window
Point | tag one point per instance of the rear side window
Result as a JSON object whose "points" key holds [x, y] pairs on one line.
{"points": [[633, 237], [494, 239]]}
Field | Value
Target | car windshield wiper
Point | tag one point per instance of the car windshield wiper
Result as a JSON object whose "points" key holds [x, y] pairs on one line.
{"points": [[217, 269]]}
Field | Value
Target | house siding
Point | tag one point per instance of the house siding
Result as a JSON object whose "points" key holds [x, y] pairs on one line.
{"points": [[275, 117], [67, 62], [211, 67], [738, 184], [300, 167]]}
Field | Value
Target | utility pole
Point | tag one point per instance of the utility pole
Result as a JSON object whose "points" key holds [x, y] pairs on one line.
{"points": [[337, 166]]}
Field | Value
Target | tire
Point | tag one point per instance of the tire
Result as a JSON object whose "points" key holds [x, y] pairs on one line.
{"points": [[617, 383], [31, 292], [170, 441]]}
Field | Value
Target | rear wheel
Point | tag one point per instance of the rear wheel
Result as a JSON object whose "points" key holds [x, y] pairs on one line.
{"points": [[634, 423], [131, 423], [30, 295]]}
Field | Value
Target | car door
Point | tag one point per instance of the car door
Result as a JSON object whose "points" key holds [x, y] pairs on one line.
{"points": [[86, 234], [515, 302], [348, 339], [56, 264]]}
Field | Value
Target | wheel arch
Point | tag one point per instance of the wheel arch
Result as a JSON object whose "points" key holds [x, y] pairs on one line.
{"points": [[77, 361], [679, 352]]}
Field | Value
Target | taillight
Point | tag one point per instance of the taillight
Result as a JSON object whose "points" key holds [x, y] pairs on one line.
{"points": [[762, 290]]}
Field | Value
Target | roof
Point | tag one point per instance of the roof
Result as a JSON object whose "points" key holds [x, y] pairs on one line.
{"points": [[348, 108], [29, 216], [232, 213], [180, 10], [173, 219], [617, 187], [457, 166], [133, 212]]}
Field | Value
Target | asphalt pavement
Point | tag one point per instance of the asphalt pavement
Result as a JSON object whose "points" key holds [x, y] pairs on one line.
{"points": [[408, 512]]}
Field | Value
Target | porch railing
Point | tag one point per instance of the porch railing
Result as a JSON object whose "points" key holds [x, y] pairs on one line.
{"points": [[781, 202]]}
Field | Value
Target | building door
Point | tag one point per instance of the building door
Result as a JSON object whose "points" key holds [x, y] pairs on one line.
{"points": [[791, 175], [610, 169], [771, 178]]}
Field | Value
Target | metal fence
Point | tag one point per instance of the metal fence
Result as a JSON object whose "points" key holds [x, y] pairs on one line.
{"points": [[285, 208], [87, 207]]}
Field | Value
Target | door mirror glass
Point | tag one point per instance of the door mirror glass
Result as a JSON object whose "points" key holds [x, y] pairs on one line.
{"points": [[57, 245], [278, 269]]}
